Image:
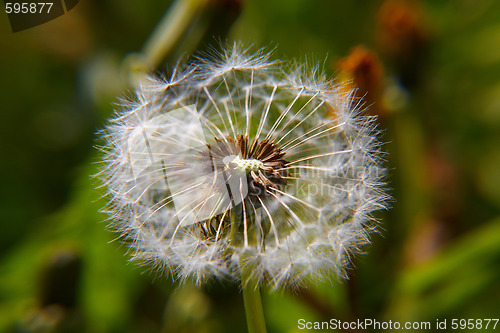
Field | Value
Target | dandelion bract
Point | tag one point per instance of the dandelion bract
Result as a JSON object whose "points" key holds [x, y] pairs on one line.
{"points": [[238, 167]]}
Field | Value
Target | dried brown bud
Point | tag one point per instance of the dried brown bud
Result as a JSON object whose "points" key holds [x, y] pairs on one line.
{"points": [[363, 70]]}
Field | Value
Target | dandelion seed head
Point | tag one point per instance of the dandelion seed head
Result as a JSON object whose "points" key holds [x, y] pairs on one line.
{"points": [[235, 168]]}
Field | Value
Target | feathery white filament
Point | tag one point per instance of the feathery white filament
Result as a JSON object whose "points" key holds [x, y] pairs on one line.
{"points": [[231, 164]]}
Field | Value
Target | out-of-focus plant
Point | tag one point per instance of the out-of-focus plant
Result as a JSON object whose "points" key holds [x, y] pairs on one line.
{"points": [[437, 101]]}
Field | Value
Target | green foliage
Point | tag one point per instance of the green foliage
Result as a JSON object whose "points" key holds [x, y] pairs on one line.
{"points": [[439, 254]]}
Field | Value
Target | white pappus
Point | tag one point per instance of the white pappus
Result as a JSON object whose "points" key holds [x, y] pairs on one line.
{"points": [[243, 168]]}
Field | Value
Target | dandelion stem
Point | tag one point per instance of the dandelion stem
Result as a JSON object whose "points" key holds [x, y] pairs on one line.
{"points": [[251, 293], [253, 308], [234, 227]]}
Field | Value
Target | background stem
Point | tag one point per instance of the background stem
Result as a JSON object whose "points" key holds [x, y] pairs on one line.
{"points": [[167, 33], [171, 27]]}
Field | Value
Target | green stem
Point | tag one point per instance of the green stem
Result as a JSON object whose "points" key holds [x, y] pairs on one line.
{"points": [[250, 286], [253, 309], [171, 27], [234, 227], [167, 33]]}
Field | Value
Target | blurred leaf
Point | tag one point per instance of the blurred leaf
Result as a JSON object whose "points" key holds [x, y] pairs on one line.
{"points": [[449, 283], [108, 282]]}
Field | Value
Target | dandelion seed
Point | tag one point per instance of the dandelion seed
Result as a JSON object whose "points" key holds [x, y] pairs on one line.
{"points": [[234, 168]]}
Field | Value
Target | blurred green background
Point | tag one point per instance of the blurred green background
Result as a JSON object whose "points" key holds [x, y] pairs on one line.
{"points": [[431, 70]]}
